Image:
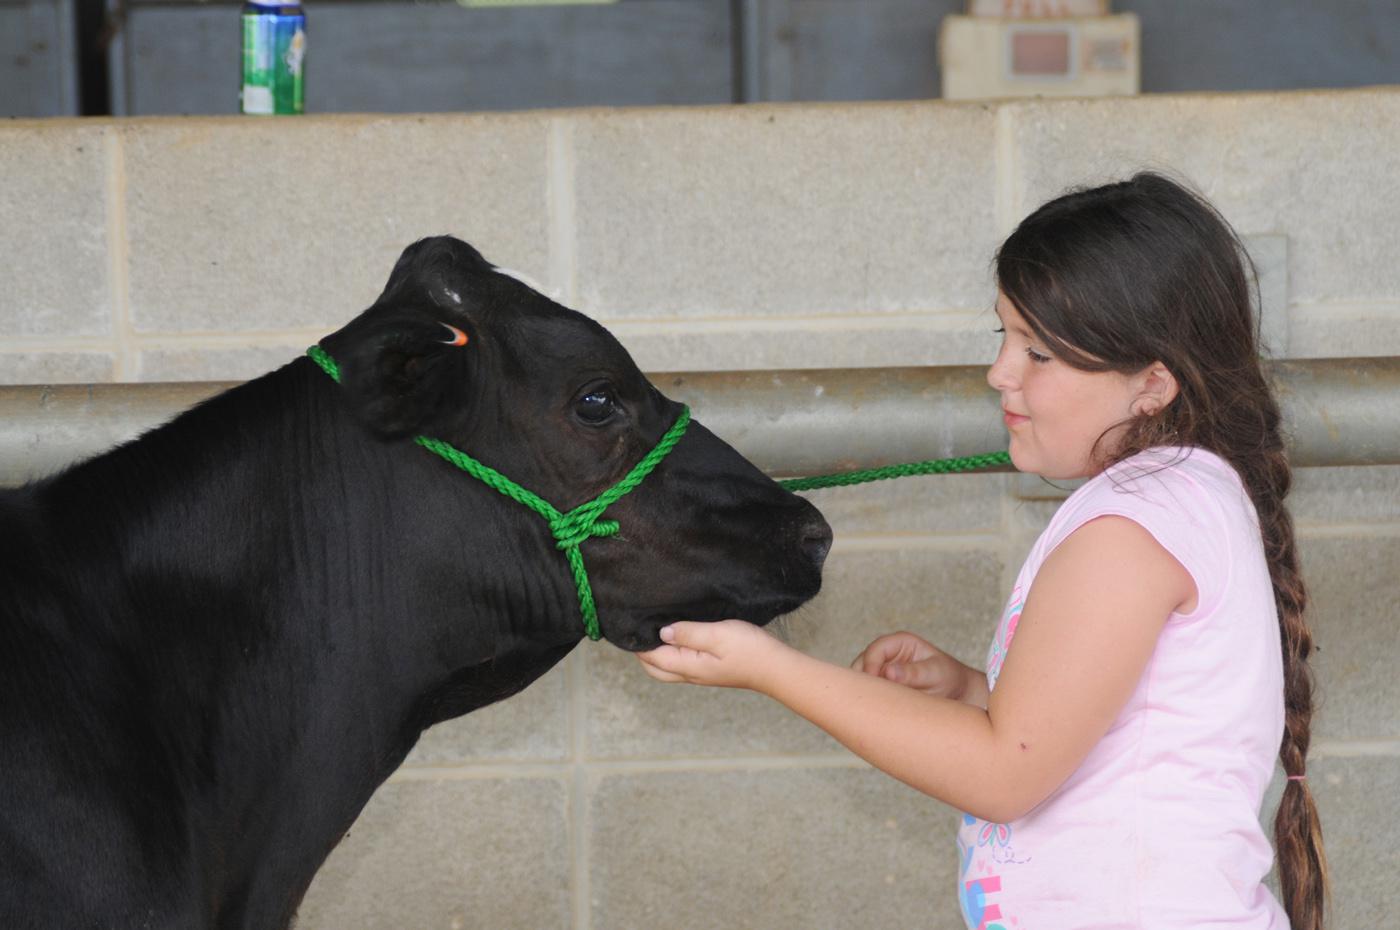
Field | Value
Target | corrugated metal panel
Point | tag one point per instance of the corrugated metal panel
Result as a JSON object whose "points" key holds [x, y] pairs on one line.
{"points": [[38, 63], [405, 58]]}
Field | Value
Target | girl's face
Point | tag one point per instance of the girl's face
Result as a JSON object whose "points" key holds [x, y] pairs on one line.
{"points": [[1055, 414]]}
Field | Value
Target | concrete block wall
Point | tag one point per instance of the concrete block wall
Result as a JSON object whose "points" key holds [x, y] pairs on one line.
{"points": [[721, 238]]}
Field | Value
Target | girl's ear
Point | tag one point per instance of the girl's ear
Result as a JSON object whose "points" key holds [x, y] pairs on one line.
{"points": [[1157, 388], [398, 379]]}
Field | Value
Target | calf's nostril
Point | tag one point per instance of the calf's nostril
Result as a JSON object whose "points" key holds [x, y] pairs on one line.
{"points": [[816, 542]]}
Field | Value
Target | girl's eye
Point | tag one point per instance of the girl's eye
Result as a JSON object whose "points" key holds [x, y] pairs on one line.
{"points": [[1036, 356], [1000, 330], [596, 407]]}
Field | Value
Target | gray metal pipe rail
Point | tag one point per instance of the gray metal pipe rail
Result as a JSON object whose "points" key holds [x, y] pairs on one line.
{"points": [[1338, 411]]}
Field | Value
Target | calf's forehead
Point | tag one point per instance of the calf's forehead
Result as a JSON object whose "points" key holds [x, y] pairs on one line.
{"points": [[563, 342]]}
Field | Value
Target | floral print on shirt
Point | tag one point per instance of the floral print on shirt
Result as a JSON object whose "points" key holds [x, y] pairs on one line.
{"points": [[1006, 630], [980, 841]]}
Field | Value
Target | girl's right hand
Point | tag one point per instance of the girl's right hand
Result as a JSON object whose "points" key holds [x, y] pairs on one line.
{"points": [[908, 660]]}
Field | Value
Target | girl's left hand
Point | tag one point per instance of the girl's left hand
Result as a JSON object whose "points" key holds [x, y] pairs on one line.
{"points": [[726, 653]]}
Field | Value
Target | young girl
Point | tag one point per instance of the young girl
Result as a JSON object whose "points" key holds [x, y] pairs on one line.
{"points": [[1152, 658]]}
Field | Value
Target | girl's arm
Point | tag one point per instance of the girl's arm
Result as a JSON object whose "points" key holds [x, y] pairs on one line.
{"points": [[1090, 623]]}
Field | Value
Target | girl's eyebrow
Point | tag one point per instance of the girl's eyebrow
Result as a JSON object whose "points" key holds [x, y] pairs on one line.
{"points": [[1018, 330]]}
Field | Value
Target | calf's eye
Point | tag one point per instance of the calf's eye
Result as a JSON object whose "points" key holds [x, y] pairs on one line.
{"points": [[595, 407]]}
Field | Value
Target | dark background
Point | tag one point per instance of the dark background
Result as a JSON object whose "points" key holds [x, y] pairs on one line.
{"points": [[135, 57]]}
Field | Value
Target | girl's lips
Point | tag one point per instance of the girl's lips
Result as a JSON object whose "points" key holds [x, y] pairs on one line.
{"points": [[1012, 419]]}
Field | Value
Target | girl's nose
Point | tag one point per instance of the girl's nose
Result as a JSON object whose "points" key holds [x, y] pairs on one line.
{"points": [[999, 375]]}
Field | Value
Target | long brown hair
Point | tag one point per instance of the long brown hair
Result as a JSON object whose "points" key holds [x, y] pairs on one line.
{"points": [[1114, 278]]}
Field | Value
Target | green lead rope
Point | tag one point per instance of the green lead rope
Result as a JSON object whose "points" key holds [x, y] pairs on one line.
{"points": [[572, 529], [930, 467]]}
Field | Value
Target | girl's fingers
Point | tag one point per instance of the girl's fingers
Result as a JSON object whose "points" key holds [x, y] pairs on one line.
{"points": [[661, 674], [662, 663], [661, 657], [687, 633], [711, 653], [675, 660], [893, 649], [877, 656]]}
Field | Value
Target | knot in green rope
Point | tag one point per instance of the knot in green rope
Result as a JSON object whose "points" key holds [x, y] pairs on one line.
{"points": [[566, 533]]}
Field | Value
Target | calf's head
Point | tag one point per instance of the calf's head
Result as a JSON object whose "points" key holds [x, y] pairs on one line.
{"points": [[457, 350]]}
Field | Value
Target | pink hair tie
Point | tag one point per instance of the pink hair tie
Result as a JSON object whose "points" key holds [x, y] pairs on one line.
{"points": [[1297, 777]]}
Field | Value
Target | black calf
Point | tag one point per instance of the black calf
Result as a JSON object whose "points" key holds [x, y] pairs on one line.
{"points": [[216, 641]]}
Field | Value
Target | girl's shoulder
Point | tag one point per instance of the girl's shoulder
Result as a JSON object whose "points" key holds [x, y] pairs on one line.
{"points": [[1190, 480], [1189, 499]]}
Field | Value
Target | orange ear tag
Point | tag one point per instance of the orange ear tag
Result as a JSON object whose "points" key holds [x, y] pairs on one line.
{"points": [[459, 338]]}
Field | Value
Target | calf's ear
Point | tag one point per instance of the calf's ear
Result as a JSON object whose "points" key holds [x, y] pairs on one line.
{"points": [[400, 380], [442, 266]]}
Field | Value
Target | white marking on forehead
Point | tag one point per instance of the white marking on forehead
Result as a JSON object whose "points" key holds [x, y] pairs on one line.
{"points": [[456, 297], [553, 293], [522, 278]]}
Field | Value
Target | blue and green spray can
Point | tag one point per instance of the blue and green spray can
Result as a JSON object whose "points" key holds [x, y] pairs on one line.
{"points": [[274, 57]]}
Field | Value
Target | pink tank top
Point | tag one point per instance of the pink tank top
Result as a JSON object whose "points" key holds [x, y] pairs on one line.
{"points": [[1159, 826]]}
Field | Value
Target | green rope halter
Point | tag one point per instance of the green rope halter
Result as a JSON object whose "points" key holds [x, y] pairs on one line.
{"points": [[570, 529]]}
